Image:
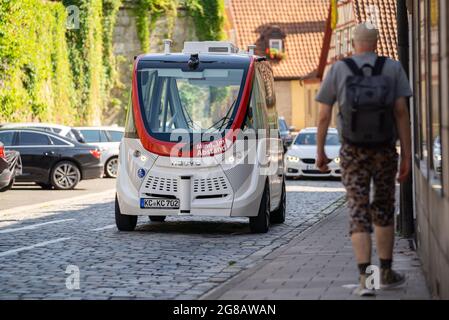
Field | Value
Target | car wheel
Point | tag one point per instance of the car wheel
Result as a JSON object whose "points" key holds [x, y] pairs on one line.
{"points": [[65, 175], [124, 222], [111, 167], [278, 216], [8, 187], [157, 218], [45, 186], [261, 223]]}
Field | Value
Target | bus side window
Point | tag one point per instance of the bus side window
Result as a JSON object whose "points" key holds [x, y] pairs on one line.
{"points": [[130, 128], [251, 119], [267, 80], [261, 107]]}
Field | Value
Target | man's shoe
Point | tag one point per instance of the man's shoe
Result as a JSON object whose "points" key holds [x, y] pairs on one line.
{"points": [[362, 290], [390, 279]]}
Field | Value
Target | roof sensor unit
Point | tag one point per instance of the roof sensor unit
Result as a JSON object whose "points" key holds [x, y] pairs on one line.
{"points": [[251, 49], [217, 47], [167, 46]]}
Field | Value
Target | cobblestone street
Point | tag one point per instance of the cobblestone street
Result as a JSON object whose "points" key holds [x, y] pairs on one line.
{"points": [[182, 258]]}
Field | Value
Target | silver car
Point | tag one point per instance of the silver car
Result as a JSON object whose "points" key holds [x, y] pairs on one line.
{"points": [[107, 139], [64, 131]]}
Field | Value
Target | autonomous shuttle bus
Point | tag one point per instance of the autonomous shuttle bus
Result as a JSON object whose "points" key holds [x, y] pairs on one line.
{"points": [[201, 138]]}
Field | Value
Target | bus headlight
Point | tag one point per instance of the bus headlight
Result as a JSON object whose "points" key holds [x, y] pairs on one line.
{"points": [[337, 160], [292, 159]]}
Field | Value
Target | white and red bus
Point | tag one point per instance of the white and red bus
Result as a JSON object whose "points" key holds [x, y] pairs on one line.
{"points": [[201, 138]]}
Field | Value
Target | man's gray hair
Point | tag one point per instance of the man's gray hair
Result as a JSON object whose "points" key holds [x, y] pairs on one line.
{"points": [[365, 32]]}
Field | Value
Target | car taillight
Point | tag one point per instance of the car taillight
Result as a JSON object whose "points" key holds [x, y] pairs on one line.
{"points": [[2, 152], [96, 153]]}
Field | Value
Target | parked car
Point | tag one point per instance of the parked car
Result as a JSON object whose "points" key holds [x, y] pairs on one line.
{"points": [[285, 133], [10, 167], [52, 161], [107, 139], [64, 131], [300, 158]]}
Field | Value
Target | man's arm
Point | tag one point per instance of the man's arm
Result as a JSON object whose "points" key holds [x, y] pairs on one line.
{"points": [[403, 126], [325, 117]]}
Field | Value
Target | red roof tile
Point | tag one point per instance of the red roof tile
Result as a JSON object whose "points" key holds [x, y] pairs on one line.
{"points": [[385, 11], [302, 21]]}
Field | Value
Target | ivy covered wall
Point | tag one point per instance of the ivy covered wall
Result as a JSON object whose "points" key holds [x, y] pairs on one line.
{"points": [[35, 74], [208, 16], [76, 76], [49, 72]]}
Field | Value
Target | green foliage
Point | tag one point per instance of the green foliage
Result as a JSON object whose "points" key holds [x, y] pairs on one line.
{"points": [[209, 18], [147, 12], [110, 9], [86, 58], [35, 78], [51, 73]]}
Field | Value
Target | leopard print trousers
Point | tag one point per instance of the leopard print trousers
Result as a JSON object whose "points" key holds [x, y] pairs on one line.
{"points": [[359, 167]]}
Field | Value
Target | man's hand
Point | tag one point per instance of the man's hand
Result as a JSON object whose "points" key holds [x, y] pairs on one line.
{"points": [[325, 117], [404, 169], [322, 161]]}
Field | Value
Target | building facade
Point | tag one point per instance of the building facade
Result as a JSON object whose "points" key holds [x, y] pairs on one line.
{"points": [[430, 117], [338, 32], [428, 65], [290, 34]]}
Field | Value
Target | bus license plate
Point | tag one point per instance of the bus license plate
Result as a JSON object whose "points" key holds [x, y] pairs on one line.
{"points": [[157, 203]]}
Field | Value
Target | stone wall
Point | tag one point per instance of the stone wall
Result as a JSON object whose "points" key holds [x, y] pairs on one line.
{"points": [[127, 45]]}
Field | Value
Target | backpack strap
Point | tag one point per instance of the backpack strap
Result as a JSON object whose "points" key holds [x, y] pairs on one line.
{"points": [[379, 65], [353, 67]]}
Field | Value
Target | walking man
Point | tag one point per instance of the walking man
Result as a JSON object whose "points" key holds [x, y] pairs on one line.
{"points": [[371, 93]]}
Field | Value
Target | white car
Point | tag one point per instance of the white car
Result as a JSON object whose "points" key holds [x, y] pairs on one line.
{"points": [[300, 158], [107, 139], [64, 131]]}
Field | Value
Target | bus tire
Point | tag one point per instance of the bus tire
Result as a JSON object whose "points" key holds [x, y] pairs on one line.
{"points": [[261, 223], [278, 215], [124, 222]]}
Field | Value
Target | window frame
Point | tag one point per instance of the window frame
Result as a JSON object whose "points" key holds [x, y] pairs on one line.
{"points": [[431, 95], [99, 135], [108, 133], [279, 41], [19, 140], [14, 139]]}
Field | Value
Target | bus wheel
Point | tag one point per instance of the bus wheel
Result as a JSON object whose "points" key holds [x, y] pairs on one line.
{"points": [[157, 218], [261, 223], [124, 222], [278, 216]]}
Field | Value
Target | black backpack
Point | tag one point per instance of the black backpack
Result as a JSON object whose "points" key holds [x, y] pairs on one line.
{"points": [[367, 115]]}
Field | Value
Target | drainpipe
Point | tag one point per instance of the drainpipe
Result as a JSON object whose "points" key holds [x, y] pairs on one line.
{"points": [[406, 220]]}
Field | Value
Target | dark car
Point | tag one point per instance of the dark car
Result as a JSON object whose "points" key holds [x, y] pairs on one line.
{"points": [[10, 167], [51, 160], [285, 133]]}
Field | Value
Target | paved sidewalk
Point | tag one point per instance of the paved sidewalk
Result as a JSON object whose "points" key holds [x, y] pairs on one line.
{"points": [[319, 264]]}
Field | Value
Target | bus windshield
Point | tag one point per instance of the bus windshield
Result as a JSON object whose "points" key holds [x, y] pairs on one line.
{"points": [[197, 101]]}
